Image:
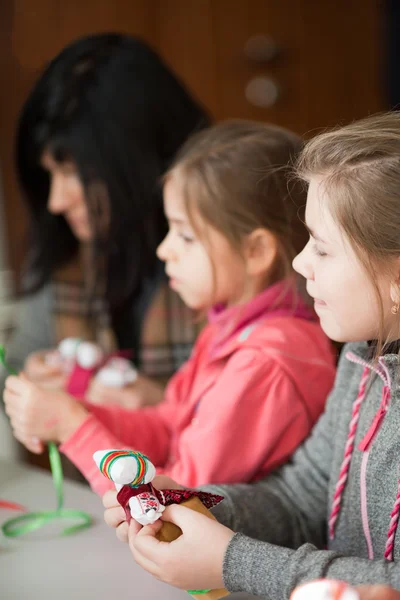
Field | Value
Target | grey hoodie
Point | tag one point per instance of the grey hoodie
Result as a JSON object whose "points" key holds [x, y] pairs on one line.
{"points": [[282, 521]]}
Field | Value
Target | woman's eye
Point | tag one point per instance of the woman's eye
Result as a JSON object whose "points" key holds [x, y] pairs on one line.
{"points": [[70, 172]]}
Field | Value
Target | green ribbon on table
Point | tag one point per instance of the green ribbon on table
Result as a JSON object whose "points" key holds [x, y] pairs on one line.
{"points": [[195, 592], [35, 520]]}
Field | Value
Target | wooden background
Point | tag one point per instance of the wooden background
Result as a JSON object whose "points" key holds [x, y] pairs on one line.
{"points": [[328, 66]]}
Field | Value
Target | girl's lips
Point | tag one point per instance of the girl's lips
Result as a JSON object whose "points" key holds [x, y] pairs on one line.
{"points": [[173, 283], [319, 302]]}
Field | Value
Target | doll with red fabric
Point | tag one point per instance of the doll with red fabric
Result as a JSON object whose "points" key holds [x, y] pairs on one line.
{"points": [[132, 473]]}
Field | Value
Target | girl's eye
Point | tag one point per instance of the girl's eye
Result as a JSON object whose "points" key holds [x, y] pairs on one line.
{"points": [[186, 238], [317, 251]]}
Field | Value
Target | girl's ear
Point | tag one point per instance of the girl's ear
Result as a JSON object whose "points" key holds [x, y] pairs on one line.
{"points": [[260, 250], [395, 284], [395, 293]]}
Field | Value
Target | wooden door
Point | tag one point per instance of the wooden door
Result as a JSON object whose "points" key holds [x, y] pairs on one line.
{"points": [[310, 64]]}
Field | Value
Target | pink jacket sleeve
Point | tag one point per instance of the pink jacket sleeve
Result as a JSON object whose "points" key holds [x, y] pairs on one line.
{"points": [[147, 429], [250, 421]]}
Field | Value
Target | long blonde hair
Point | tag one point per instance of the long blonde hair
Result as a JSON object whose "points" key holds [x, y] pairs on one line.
{"points": [[360, 167]]}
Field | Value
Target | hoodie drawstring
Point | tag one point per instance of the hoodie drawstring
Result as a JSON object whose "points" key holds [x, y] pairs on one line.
{"points": [[348, 452], [363, 446]]}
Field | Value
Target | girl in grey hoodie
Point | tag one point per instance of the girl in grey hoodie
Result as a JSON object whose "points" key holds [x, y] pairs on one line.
{"points": [[332, 511]]}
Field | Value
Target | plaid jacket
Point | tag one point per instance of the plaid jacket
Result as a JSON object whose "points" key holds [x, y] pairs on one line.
{"points": [[59, 310]]}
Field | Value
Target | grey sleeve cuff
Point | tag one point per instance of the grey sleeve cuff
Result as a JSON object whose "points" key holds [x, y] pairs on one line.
{"points": [[255, 567], [273, 572]]}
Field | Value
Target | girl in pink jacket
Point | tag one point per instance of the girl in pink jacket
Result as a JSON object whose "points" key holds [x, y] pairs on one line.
{"points": [[260, 370]]}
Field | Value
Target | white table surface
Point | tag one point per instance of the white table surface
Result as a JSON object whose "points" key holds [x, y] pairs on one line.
{"points": [[91, 564]]}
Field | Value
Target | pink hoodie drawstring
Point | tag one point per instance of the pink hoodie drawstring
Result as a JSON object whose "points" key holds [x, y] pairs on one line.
{"points": [[364, 445], [348, 452]]}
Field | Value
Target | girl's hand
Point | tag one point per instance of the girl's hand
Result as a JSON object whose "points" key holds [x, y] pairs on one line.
{"points": [[48, 375], [192, 561], [377, 592], [39, 415], [143, 392], [114, 515]]}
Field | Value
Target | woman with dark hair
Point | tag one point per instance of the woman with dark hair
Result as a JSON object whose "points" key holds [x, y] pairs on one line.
{"points": [[100, 127]]}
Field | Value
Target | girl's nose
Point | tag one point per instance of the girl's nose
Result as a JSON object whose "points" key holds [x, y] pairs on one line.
{"points": [[302, 265], [164, 250]]}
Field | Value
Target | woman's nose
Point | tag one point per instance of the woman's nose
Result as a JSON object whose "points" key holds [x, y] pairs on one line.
{"points": [[59, 200]]}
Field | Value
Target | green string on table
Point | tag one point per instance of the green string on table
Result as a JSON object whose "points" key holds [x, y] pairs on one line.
{"points": [[35, 520]]}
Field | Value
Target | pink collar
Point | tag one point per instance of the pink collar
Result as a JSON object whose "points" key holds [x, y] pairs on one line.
{"points": [[279, 300]]}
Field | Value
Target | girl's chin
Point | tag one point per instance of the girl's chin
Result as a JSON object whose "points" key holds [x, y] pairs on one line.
{"points": [[191, 302], [173, 283]]}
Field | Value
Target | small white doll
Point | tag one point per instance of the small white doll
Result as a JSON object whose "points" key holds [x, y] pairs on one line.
{"points": [[118, 372], [132, 473], [73, 350]]}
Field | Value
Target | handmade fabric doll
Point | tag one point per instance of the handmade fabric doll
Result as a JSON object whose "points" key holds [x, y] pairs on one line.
{"points": [[117, 372], [132, 473]]}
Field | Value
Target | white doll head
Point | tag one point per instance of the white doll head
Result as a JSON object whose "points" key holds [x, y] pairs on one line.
{"points": [[88, 355], [68, 347], [125, 467], [117, 373]]}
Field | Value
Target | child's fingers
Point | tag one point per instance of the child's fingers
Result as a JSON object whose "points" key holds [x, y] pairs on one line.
{"points": [[15, 414], [184, 517], [122, 532], [10, 401], [145, 563], [32, 443], [40, 364], [17, 384], [53, 382], [114, 516], [148, 530], [99, 394], [16, 409], [146, 543], [20, 428], [134, 528], [145, 546], [12, 383], [110, 499], [16, 421]]}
